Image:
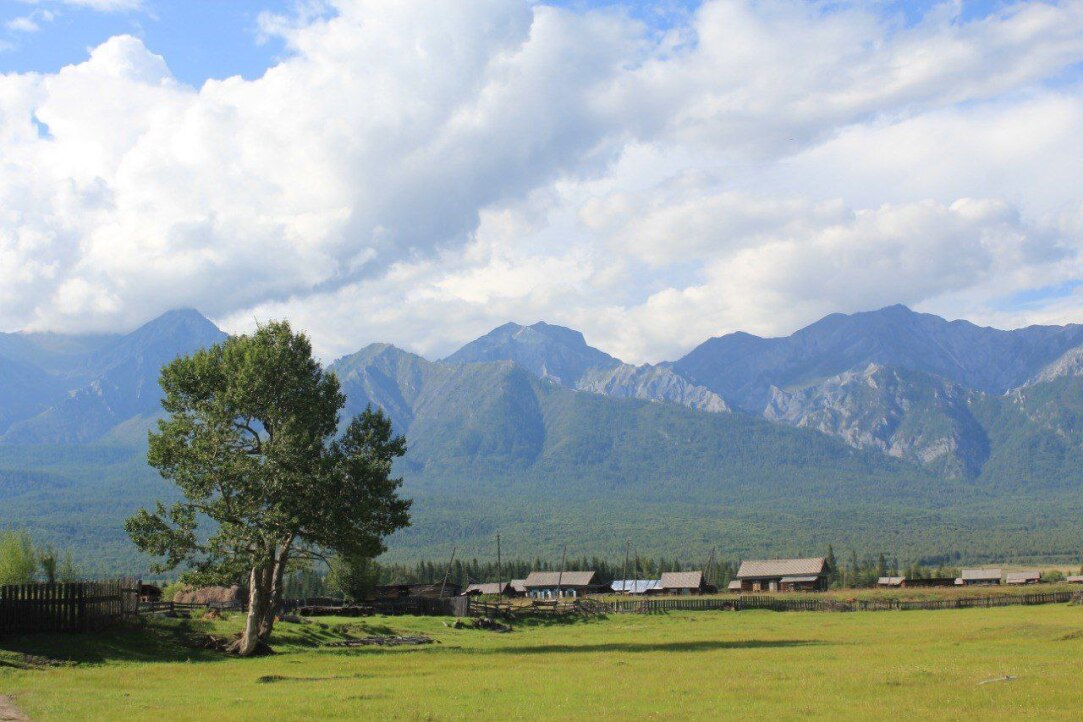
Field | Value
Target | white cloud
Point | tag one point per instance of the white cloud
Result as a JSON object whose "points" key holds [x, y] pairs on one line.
{"points": [[418, 172]]}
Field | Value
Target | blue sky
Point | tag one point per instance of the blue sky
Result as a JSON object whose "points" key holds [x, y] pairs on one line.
{"points": [[203, 39], [651, 172]]}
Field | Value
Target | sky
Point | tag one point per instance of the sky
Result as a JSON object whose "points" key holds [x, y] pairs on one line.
{"points": [[652, 173]]}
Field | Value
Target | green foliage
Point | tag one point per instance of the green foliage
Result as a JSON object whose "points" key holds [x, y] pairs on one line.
{"points": [[18, 558], [354, 577]]}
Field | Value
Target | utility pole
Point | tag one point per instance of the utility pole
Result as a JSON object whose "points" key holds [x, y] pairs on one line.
{"points": [[447, 574], [499, 569], [624, 573], [560, 575]]}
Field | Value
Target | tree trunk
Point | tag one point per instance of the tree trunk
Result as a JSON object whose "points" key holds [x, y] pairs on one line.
{"points": [[258, 599], [267, 622]]}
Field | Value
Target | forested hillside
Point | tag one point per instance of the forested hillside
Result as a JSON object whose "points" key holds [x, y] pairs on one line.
{"points": [[507, 437]]}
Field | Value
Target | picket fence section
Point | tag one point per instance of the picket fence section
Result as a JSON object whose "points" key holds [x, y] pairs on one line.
{"points": [[66, 606]]}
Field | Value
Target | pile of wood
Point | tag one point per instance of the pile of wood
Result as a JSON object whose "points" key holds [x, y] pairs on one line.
{"points": [[322, 611], [211, 596], [382, 641]]}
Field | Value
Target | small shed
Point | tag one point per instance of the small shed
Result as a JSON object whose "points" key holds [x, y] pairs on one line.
{"points": [[734, 585], [979, 577], [635, 586], [1075, 579], [891, 582], [517, 587], [1027, 577], [503, 589], [786, 575], [684, 583], [551, 585]]}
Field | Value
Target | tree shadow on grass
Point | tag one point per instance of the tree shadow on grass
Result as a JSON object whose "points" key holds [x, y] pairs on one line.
{"points": [[636, 647], [140, 640]]}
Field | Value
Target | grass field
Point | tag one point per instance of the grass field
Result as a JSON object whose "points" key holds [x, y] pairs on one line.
{"points": [[924, 665]]}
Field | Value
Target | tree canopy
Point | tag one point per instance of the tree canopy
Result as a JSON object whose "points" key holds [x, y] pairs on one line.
{"points": [[251, 439]]}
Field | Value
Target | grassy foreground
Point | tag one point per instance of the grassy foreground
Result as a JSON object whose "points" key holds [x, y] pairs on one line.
{"points": [[922, 665]]}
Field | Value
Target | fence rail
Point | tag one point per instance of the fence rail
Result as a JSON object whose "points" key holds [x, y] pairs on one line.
{"points": [[815, 604], [66, 607]]}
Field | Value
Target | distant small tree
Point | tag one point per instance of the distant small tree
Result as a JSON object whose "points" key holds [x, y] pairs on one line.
{"points": [[1053, 575], [250, 439], [18, 559], [47, 559], [355, 577]]}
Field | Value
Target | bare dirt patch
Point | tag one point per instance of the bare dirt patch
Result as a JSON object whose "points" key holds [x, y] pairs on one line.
{"points": [[9, 712]]}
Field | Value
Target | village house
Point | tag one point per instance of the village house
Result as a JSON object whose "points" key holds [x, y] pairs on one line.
{"points": [[979, 577], [684, 583], [635, 586], [503, 589], [550, 585], [1075, 579], [783, 575], [517, 587], [1027, 577], [896, 582]]}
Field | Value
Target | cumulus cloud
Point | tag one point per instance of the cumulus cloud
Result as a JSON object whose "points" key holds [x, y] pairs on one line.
{"points": [[418, 172]]}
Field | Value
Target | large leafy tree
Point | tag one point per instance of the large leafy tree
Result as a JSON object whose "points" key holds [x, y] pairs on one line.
{"points": [[250, 438]]}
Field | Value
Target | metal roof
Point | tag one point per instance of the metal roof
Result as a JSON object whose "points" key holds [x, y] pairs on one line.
{"points": [[682, 580], [972, 575], [635, 586], [1022, 577], [551, 579], [766, 568], [488, 588]]}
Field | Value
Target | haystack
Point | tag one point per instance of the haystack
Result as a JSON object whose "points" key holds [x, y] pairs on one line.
{"points": [[223, 596]]}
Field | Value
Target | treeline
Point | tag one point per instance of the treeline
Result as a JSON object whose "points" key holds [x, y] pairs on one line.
{"points": [[853, 571]]}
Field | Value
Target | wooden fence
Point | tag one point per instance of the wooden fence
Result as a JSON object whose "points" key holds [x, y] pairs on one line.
{"points": [[820, 604], [66, 607]]}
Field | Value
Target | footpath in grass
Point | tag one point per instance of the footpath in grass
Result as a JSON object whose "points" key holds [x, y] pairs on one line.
{"points": [[1003, 663]]}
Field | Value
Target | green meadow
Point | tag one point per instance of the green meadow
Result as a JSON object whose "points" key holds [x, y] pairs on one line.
{"points": [[987, 664]]}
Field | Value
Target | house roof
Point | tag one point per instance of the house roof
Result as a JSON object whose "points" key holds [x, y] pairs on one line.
{"points": [[1076, 579], [970, 575], [489, 588], [891, 581], [734, 585], [765, 568], [635, 586], [681, 580], [517, 585], [1022, 577], [551, 579]]}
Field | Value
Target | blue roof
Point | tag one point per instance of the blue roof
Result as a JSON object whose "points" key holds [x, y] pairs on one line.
{"points": [[635, 586]]}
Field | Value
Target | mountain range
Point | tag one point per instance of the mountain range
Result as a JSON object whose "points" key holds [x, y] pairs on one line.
{"points": [[888, 429]]}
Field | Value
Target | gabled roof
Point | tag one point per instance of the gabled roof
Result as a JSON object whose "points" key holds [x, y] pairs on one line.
{"points": [[489, 588], [517, 585], [1076, 579], [1022, 577], [635, 586], [681, 580], [551, 579], [765, 568], [734, 585], [973, 575], [891, 581]]}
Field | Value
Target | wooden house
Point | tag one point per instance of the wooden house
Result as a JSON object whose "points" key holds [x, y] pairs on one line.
{"points": [[783, 575], [684, 583], [891, 582], [551, 585], [503, 589], [979, 577], [1075, 579], [1027, 577]]}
